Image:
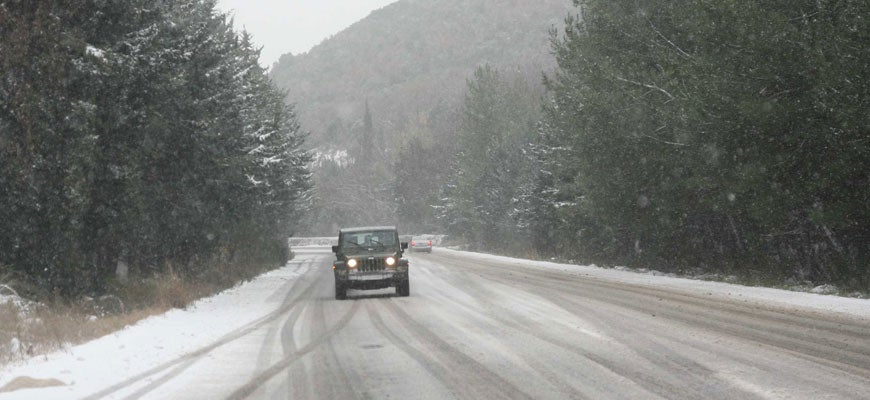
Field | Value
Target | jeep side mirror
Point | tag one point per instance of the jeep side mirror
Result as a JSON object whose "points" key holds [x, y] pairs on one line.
{"points": [[404, 245], [335, 249]]}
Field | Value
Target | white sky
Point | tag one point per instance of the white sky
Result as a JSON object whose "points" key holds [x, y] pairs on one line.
{"points": [[295, 26]]}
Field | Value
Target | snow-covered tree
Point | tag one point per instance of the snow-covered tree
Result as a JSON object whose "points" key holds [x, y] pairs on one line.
{"points": [[714, 135], [479, 201], [140, 131]]}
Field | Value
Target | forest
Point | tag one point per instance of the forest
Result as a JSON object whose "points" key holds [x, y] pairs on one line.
{"points": [[137, 138], [693, 137], [706, 138], [688, 137]]}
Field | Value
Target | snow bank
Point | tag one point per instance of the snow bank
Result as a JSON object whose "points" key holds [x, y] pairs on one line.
{"points": [[768, 296], [89, 367]]}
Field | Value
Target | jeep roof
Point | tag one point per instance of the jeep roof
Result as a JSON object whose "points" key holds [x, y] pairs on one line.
{"points": [[367, 228]]}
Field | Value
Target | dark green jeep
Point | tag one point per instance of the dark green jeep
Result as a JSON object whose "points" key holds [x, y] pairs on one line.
{"points": [[370, 258]]}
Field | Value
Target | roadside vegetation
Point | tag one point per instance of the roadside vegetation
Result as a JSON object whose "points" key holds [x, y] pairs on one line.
{"points": [[701, 139], [29, 328], [724, 138], [139, 138], [147, 160]]}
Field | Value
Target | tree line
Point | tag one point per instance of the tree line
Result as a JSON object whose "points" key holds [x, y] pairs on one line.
{"points": [[683, 136], [140, 133]]}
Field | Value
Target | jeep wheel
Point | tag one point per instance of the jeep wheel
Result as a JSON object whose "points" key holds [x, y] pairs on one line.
{"points": [[340, 291], [403, 288]]}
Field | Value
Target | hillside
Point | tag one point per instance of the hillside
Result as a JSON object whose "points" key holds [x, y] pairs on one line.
{"points": [[410, 60]]}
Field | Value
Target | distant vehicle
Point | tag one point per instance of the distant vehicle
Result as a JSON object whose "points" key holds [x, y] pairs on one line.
{"points": [[420, 244], [370, 258]]}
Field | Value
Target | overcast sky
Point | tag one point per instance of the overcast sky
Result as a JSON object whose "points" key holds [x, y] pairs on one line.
{"points": [[295, 26]]}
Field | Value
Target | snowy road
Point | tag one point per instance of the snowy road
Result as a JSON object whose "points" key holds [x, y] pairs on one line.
{"points": [[482, 327]]}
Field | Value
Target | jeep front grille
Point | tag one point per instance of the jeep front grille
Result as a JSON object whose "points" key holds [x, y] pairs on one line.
{"points": [[371, 264]]}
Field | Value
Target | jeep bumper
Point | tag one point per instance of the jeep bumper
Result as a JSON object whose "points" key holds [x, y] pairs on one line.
{"points": [[370, 279]]}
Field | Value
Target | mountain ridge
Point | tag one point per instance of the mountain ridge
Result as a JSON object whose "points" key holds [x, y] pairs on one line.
{"points": [[411, 59]]}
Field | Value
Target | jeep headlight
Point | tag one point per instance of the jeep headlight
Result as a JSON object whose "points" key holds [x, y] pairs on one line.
{"points": [[390, 261], [351, 263]]}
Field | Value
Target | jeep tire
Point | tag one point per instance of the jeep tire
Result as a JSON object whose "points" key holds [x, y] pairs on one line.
{"points": [[340, 291], [403, 288]]}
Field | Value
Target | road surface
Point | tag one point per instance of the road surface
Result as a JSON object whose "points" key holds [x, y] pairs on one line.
{"points": [[489, 328]]}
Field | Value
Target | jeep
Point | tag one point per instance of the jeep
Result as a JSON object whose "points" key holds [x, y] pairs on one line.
{"points": [[370, 258]]}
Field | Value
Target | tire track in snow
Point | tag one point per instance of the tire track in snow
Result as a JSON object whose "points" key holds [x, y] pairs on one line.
{"points": [[482, 380], [823, 338], [660, 385], [829, 341], [493, 315], [263, 377], [180, 364], [508, 317], [428, 363]]}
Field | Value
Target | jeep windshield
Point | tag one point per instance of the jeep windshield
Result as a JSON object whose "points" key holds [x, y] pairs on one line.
{"points": [[369, 240]]}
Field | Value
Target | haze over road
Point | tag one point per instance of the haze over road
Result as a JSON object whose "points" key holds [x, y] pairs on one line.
{"points": [[480, 327]]}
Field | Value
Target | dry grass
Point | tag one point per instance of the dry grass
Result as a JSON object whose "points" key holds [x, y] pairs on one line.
{"points": [[29, 329], [168, 291], [8, 328], [43, 328]]}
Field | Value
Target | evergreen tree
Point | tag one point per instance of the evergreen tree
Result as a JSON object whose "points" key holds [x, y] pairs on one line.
{"points": [[139, 131], [479, 199], [686, 135], [421, 170]]}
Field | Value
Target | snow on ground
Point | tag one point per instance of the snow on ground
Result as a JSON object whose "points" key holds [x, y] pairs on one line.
{"points": [[759, 295], [155, 340]]}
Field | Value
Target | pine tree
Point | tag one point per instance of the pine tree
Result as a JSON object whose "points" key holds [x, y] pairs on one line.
{"points": [[139, 131], [478, 202], [685, 135]]}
